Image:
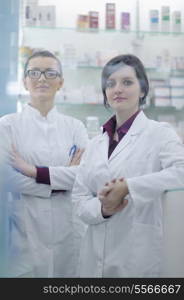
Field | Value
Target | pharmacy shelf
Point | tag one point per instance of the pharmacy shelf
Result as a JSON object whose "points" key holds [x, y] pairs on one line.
{"points": [[83, 110], [160, 73], [170, 97], [170, 86], [99, 30]]}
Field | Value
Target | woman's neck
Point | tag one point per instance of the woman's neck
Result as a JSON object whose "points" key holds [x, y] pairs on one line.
{"points": [[122, 117], [43, 106]]}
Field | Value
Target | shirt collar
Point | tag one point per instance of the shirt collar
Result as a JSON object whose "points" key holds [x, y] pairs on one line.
{"points": [[110, 126], [51, 116]]}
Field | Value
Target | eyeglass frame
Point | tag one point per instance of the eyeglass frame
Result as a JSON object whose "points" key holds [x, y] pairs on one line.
{"points": [[42, 72]]}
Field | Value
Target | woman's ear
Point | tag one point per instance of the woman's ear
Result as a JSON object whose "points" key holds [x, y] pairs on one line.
{"points": [[61, 82], [142, 94]]}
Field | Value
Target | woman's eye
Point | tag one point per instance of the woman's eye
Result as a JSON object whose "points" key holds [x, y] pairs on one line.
{"points": [[34, 73], [127, 82]]}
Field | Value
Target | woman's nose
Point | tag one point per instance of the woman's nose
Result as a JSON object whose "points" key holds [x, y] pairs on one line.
{"points": [[118, 88], [42, 77]]}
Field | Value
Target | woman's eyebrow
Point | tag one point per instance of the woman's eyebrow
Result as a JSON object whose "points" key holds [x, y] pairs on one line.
{"points": [[36, 68], [122, 77]]}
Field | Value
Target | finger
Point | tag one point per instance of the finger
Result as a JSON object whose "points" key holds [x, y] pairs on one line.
{"points": [[106, 190], [113, 181], [14, 148], [75, 156], [82, 150], [75, 160], [78, 154], [100, 193], [79, 157], [101, 198], [125, 202]]}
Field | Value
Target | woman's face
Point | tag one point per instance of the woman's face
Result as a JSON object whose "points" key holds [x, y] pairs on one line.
{"points": [[123, 90], [43, 88]]}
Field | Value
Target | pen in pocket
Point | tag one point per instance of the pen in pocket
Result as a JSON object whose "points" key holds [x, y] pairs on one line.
{"points": [[73, 150]]}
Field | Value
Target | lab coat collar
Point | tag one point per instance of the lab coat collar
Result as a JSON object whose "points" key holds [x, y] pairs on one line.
{"points": [[138, 126], [33, 112]]}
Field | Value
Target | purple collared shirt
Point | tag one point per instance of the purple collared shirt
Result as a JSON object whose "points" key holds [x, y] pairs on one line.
{"points": [[110, 127]]}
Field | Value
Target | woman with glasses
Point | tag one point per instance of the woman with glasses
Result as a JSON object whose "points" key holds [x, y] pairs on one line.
{"points": [[41, 142]]}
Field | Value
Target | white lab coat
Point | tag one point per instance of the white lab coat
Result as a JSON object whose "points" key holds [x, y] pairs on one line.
{"points": [[42, 228], [129, 243]]}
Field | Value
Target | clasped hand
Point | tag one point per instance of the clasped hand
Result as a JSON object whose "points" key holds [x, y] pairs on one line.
{"points": [[112, 196]]}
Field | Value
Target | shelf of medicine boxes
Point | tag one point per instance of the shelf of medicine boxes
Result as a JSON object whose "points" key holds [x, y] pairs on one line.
{"points": [[98, 30], [169, 91], [109, 41], [69, 44]]}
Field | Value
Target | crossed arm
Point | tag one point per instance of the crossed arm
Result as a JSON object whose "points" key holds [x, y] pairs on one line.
{"points": [[30, 170], [112, 196]]}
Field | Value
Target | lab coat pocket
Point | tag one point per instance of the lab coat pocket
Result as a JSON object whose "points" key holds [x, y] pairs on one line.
{"points": [[147, 245]]}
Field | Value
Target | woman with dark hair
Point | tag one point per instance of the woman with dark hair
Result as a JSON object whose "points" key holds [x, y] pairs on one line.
{"points": [[123, 175], [47, 148]]}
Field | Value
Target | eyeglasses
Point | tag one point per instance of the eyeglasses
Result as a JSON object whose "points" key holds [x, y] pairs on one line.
{"points": [[36, 74]]}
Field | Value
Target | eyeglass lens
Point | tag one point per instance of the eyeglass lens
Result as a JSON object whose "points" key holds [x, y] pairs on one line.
{"points": [[36, 74]]}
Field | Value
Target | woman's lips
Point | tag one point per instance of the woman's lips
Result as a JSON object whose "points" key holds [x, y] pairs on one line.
{"points": [[120, 99], [42, 87]]}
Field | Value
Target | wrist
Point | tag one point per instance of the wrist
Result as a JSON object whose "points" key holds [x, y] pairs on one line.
{"points": [[105, 212], [32, 171]]}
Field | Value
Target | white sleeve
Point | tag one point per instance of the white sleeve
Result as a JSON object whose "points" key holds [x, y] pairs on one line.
{"points": [[86, 205], [146, 188], [17, 182], [61, 177]]}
